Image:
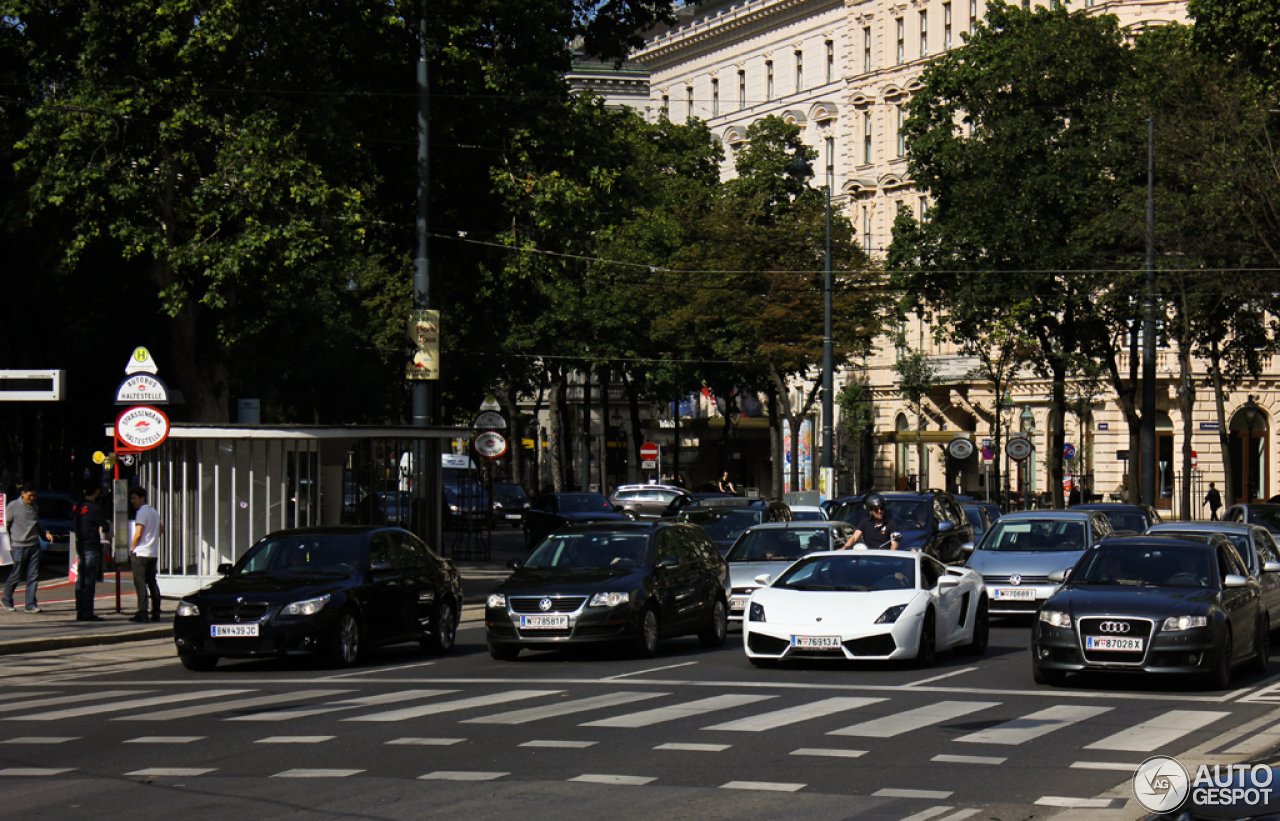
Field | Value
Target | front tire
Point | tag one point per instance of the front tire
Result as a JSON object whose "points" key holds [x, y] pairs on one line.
{"points": [[344, 645], [981, 630], [713, 635], [444, 628], [1262, 646], [503, 652], [647, 644], [1219, 678], [928, 641], [198, 662]]}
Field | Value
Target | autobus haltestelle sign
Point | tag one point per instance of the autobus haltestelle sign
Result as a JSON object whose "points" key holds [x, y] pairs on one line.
{"points": [[142, 427]]}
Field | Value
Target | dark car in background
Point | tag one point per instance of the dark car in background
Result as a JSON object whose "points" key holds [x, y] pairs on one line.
{"points": [[708, 499], [328, 591], [1254, 544], [509, 504], [54, 513], [931, 522], [724, 524], [1123, 517], [1148, 604], [979, 518], [771, 548], [645, 501], [1264, 515], [466, 506], [554, 510], [630, 583]]}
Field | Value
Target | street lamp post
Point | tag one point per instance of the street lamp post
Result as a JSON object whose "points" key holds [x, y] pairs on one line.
{"points": [[802, 170], [1006, 404], [1028, 426]]}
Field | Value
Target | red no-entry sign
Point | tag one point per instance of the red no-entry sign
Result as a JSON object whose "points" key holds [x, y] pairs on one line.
{"points": [[649, 451]]}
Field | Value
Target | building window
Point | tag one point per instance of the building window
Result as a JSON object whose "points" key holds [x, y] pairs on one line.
{"points": [[902, 42], [902, 137], [866, 137], [742, 89], [799, 71], [946, 26], [831, 165], [665, 111], [831, 62], [924, 34], [688, 95], [924, 210], [866, 49], [973, 13], [866, 228], [768, 79], [715, 97]]}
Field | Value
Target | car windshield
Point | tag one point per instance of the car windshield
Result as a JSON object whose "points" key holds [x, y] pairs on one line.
{"points": [[1130, 520], [808, 516], [592, 550], [775, 544], [1268, 517], [53, 507], [1035, 535], [1240, 540], [584, 503], [1164, 566], [505, 490], [722, 525], [850, 571], [304, 553], [909, 513]]}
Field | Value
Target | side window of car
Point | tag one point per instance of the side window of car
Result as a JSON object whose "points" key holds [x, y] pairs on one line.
{"points": [[668, 545], [414, 551], [929, 572], [957, 513], [1228, 563], [381, 548], [939, 510], [1266, 546]]}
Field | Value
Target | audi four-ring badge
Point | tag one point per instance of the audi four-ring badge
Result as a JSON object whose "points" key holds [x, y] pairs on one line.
{"points": [[1148, 604]]}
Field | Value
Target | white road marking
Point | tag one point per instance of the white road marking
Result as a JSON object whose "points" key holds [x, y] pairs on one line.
{"points": [[941, 677], [295, 739], [890, 792], [124, 706], [646, 672], [450, 706], [316, 773], [924, 815], [1116, 766], [968, 759], [42, 739], [460, 775], [930, 714], [1087, 803], [374, 670], [34, 771], [792, 715], [829, 752], [1034, 725], [427, 742], [961, 814], [694, 748], [563, 708], [15, 706], [174, 772], [346, 704], [1159, 731], [230, 706], [764, 786], [569, 745], [166, 739], [688, 709], [628, 780]]}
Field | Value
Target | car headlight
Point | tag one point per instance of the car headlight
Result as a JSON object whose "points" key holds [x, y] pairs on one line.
{"points": [[891, 615], [609, 599], [453, 508], [496, 601], [308, 607], [1055, 618], [1184, 623], [757, 613], [186, 608]]}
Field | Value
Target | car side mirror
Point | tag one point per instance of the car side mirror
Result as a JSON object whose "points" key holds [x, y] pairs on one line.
{"points": [[948, 581], [968, 547], [1232, 580], [946, 527], [515, 564], [224, 568], [669, 562], [1271, 567], [764, 580], [1059, 576], [380, 567]]}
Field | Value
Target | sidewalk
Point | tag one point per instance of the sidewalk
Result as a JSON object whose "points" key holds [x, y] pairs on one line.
{"points": [[55, 626]]}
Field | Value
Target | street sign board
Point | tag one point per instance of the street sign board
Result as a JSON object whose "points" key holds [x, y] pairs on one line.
{"points": [[649, 452], [988, 454], [142, 427], [142, 389], [1068, 451], [140, 361], [1195, 460], [489, 420], [960, 449], [1018, 448], [490, 444]]}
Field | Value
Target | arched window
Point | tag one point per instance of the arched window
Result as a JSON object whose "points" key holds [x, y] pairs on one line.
{"points": [[1249, 469], [902, 454]]}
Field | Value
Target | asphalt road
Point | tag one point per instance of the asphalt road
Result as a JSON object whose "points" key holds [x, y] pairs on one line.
{"points": [[126, 732]]}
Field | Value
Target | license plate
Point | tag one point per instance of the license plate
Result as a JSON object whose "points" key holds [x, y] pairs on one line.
{"points": [[1112, 643], [222, 631], [739, 602], [816, 642], [513, 515], [543, 622], [1019, 593]]}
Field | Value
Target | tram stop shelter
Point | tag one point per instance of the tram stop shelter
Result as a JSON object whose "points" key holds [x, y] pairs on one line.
{"points": [[221, 488]]}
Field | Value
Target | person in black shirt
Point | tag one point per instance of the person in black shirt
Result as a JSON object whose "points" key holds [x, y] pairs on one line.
{"points": [[876, 530], [90, 522]]}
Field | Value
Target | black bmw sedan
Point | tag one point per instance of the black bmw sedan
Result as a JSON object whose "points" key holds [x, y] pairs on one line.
{"points": [[616, 582], [330, 591], [1153, 605]]}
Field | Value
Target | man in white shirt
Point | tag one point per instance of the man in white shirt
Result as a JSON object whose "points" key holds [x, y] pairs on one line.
{"points": [[144, 548]]}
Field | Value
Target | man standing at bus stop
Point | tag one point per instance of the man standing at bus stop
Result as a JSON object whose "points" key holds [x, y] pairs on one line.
{"points": [[22, 518], [90, 522], [145, 550]]}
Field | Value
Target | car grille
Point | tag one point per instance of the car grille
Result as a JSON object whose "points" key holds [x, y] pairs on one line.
{"points": [[546, 634], [1023, 579], [768, 645], [881, 645], [559, 604], [1016, 605], [242, 612], [1138, 629]]}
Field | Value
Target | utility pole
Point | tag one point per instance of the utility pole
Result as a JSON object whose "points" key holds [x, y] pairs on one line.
{"points": [[1148, 463]]}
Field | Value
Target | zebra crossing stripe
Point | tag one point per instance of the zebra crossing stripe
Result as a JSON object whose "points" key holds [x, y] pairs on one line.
{"points": [[229, 706], [1034, 725], [792, 715], [930, 714], [626, 780], [563, 708], [125, 706], [688, 709], [317, 773], [459, 775], [171, 772], [451, 706], [305, 710], [78, 698], [763, 786], [926, 814], [1159, 731]]}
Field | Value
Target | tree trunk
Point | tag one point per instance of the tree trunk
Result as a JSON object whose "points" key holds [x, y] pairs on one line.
{"points": [[555, 432], [637, 434], [1053, 459], [1229, 490], [1188, 403], [1126, 395], [775, 444]]}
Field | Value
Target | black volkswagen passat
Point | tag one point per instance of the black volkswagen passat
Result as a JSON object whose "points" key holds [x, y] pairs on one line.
{"points": [[618, 582], [1153, 605], [325, 590]]}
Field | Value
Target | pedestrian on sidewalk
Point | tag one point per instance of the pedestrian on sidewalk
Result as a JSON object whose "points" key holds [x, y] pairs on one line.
{"points": [[22, 518], [90, 523], [1214, 500], [145, 550]]}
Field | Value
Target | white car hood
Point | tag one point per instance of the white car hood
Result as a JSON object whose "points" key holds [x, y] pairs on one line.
{"points": [[839, 607]]}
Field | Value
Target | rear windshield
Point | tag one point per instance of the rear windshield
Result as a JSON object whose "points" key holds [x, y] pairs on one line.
{"points": [[722, 525], [584, 503], [772, 545]]}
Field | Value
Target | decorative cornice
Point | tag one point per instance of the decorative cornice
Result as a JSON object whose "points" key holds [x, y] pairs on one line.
{"points": [[722, 24]]}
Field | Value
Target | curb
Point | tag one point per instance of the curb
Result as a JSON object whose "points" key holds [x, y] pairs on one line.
{"points": [[61, 642]]}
